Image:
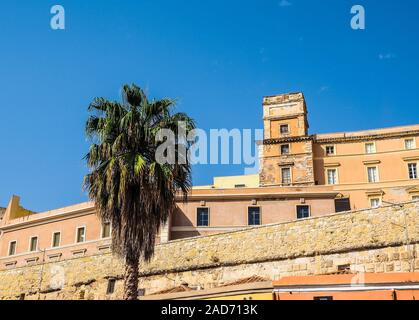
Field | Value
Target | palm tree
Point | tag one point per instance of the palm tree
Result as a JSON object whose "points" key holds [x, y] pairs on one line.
{"points": [[131, 189]]}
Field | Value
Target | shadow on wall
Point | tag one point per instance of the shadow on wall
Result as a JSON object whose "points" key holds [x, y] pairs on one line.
{"points": [[180, 219]]}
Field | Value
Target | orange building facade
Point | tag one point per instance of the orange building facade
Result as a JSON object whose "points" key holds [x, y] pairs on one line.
{"points": [[365, 167], [301, 176]]}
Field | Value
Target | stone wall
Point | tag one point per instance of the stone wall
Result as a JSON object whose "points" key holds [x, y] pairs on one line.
{"points": [[377, 240]]}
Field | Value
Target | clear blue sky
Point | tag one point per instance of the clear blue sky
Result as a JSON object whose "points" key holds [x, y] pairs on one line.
{"points": [[219, 58]]}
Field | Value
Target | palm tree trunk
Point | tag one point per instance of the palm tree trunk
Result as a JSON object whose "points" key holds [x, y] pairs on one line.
{"points": [[131, 279]]}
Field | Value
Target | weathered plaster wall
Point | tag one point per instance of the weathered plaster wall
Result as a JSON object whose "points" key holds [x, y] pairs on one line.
{"points": [[300, 160], [379, 240]]}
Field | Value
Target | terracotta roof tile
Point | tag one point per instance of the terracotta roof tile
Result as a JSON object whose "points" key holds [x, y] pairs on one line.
{"points": [[181, 288], [252, 279]]}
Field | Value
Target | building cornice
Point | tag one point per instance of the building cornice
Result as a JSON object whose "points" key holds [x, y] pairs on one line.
{"points": [[379, 136], [35, 221], [285, 117], [315, 139], [260, 196], [287, 139]]}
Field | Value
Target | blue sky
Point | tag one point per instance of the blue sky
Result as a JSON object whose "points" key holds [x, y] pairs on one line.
{"points": [[219, 59]]}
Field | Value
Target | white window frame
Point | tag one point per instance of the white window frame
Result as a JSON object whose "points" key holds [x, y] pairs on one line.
{"points": [[30, 244], [410, 139], [77, 233], [374, 147], [377, 174], [380, 201], [408, 171], [327, 176], [52, 239], [282, 180], [8, 249], [330, 154]]}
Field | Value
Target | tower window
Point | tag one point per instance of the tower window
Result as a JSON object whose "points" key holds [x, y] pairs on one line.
{"points": [[285, 149], [286, 175], [284, 129], [330, 150]]}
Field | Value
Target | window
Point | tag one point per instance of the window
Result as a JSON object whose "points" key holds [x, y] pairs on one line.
{"points": [[12, 248], [332, 176], [375, 202], [303, 212], [370, 147], [111, 286], [253, 216], [106, 230], [372, 174], [342, 205], [81, 234], [413, 170], [330, 150], [344, 268], [286, 175], [33, 246], [56, 239], [284, 129], [285, 149], [202, 217], [409, 144]]}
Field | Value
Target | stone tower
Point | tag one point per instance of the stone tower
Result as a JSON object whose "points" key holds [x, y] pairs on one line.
{"points": [[287, 157]]}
